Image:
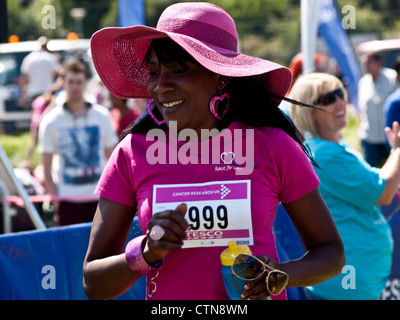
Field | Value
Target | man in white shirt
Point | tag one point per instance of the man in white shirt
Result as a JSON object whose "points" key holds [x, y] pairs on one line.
{"points": [[76, 138], [38, 71], [373, 89]]}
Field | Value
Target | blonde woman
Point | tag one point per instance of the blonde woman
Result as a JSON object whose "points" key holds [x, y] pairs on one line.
{"points": [[351, 188]]}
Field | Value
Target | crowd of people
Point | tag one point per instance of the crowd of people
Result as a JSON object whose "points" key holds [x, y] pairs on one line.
{"points": [[192, 77], [73, 129]]}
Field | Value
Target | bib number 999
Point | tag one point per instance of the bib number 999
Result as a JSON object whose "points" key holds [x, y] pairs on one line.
{"points": [[208, 218]]}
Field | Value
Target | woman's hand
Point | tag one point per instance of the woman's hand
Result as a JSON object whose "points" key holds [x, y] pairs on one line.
{"points": [[257, 289], [393, 135], [391, 169], [174, 225]]}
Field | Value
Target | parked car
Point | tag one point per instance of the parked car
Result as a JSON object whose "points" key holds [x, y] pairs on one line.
{"points": [[389, 49], [12, 116]]}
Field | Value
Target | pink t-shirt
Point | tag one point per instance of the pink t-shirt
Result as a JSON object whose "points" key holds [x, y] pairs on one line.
{"points": [[120, 123], [279, 172]]}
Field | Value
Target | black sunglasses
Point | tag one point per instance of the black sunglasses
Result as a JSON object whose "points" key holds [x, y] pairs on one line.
{"points": [[330, 97]]}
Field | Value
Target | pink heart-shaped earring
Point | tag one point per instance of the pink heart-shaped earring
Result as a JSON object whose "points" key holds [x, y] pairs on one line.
{"points": [[220, 98], [148, 107]]}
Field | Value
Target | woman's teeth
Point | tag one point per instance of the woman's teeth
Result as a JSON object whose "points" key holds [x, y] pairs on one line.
{"points": [[171, 104], [340, 114]]}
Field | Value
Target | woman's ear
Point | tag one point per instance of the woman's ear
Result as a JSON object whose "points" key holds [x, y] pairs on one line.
{"points": [[222, 82]]}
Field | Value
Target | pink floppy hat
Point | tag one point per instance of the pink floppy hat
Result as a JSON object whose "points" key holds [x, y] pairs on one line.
{"points": [[204, 30]]}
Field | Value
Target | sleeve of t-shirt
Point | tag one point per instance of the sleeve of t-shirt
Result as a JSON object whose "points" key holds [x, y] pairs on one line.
{"points": [[297, 175], [47, 138], [116, 182], [24, 65], [352, 180], [393, 113]]}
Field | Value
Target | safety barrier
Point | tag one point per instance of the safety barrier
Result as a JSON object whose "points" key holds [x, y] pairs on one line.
{"points": [[392, 214], [47, 264]]}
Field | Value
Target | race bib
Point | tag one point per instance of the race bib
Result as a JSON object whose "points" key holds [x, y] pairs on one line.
{"points": [[218, 212]]}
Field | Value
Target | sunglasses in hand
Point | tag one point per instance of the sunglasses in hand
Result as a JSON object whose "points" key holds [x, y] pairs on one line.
{"points": [[248, 267]]}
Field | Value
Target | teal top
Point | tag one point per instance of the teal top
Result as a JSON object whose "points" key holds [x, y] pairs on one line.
{"points": [[351, 188]]}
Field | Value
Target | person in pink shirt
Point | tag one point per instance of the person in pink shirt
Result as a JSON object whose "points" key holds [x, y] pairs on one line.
{"points": [[208, 164], [121, 114]]}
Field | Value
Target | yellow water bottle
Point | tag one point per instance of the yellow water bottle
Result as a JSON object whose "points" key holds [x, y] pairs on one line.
{"points": [[233, 285]]}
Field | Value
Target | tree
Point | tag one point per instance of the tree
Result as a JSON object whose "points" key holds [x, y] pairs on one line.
{"points": [[25, 19], [3, 21], [267, 28]]}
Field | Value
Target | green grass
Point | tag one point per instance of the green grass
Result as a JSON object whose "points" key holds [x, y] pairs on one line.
{"points": [[350, 134], [15, 146]]}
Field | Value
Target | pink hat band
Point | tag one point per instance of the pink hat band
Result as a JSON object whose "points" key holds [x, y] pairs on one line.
{"points": [[204, 30]]}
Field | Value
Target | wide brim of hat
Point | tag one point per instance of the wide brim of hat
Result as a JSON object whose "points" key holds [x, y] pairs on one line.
{"points": [[118, 55]]}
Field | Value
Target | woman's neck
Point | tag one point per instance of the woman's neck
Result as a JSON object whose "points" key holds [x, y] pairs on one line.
{"points": [[333, 137]]}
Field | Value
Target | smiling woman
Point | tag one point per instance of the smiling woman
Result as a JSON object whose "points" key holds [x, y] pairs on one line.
{"points": [[174, 82], [320, 89], [330, 123], [352, 189], [197, 82]]}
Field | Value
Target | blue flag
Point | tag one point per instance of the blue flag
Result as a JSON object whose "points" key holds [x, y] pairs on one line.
{"points": [[336, 39], [131, 12]]}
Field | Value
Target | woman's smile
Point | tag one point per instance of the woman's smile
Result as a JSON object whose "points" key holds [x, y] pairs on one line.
{"points": [[340, 114], [172, 107], [182, 92], [171, 104]]}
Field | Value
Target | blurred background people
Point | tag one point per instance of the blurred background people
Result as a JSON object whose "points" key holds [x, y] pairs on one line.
{"points": [[296, 66], [391, 108], [38, 72], [40, 106], [352, 189], [373, 89], [77, 137], [121, 114]]}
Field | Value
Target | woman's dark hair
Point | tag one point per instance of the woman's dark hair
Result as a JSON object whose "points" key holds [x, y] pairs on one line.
{"points": [[253, 105], [249, 101]]}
